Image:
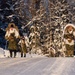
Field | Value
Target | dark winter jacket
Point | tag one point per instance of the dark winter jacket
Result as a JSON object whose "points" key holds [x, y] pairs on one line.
{"points": [[68, 47], [12, 42]]}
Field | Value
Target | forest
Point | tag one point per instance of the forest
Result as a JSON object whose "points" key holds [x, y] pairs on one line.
{"points": [[46, 17]]}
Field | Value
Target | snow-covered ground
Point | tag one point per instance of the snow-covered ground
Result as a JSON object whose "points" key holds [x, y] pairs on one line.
{"points": [[2, 53], [37, 66], [5, 53]]}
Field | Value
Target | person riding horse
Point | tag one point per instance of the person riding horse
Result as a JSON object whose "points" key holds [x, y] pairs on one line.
{"points": [[12, 34]]}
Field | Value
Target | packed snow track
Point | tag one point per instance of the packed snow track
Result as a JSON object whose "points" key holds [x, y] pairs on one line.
{"points": [[37, 66]]}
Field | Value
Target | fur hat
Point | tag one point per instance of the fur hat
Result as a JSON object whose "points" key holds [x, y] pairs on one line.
{"points": [[12, 25], [15, 30], [68, 27]]}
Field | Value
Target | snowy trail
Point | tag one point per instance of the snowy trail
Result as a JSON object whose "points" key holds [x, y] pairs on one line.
{"points": [[37, 66]]}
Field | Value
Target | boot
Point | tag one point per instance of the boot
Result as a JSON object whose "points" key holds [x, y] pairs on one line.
{"points": [[11, 54], [14, 54]]}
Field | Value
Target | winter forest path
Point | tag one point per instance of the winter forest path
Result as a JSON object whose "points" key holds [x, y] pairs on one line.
{"points": [[37, 66]]}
